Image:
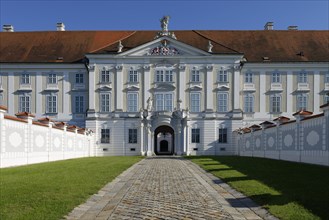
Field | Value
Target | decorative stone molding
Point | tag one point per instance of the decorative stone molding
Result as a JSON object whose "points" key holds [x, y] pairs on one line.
{"points": [[119, 67], [182, 66]]}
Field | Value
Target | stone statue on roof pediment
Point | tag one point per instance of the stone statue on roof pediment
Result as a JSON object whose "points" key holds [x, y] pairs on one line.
{"points": [[164, 23]]}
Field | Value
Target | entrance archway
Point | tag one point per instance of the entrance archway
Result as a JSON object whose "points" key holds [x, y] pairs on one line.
{"points": [[164, 140]]}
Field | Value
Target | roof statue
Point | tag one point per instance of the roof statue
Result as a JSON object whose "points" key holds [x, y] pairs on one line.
{"points": [[164, 23]]}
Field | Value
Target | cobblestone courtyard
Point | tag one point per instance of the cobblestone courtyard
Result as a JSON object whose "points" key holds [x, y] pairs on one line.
{"points": [[167, 188]]}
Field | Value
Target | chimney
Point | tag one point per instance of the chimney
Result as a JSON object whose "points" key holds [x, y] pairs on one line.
{"points": [[60, 26], [7, 28], [268, 26], [292, 28]]}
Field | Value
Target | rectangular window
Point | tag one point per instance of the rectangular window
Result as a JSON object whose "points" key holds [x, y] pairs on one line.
{"points": [[302, 77], [25, 78], [168, 76], [222, 101], [132, 136], [195, 76], [1, 99], [79, 104], [79, 78], [248, 78], [52, 78], [105, 135], [105, 102], [326, 99], [195, 135], [222, 135], [163, 102], [195, 102], [164, 76], [51, 104], [133, 76], [276, 77], [222, 76], [159, 76], [132, 102], [248, 103], [301, 102], [24, 103], [326, 78], [276, 103], [105, 76]]}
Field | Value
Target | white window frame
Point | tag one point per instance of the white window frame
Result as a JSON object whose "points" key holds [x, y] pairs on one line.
{"points": [[25, 103], [222, 104], [248, 103], [275, 103], [195, 101], [79, 78], [133, 76], [52, 78], [248, 77], [163, 103], [51, 103], [195, 75], [222, 76], [26, 79], [195, 135], [106, 132], [107, 102], [302, 77], [105, 76], [302, 100], [164, 75], [132, 102], [276, 77], [79, 104], [132, 135]]}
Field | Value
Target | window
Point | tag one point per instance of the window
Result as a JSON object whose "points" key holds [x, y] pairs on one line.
{"points": [[24, 103], [195, 102], [79, 78], [195, 76], [195, 135], [301, 102], [276, 77], [1, 99], [133, 76], [79, 104], [105, 135], [164, 76], [248, 77], [326, 98], [25, 79], [132, 136], [222, 76], [105, 102], [51, 104], [326, 78], [132, 102], [248, 103], [302, 77], [275, 103], [222, 135], [105, 76], [222, 100], [163, 102], [52, 78]]}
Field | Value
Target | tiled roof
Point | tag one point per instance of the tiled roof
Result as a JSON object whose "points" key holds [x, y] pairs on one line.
{"points": [[71, 46]]}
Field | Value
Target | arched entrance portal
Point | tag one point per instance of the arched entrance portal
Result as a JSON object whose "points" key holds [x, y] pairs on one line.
{"points": [[164, 140]]}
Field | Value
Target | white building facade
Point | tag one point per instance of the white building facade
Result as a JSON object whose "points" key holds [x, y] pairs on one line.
{"points": [[165, 93]]}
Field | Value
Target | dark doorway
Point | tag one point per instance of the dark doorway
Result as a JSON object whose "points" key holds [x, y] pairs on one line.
{"points": [[164, 140], [164, 146]]}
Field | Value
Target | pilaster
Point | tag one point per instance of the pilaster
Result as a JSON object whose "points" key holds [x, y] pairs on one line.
{"points": [[182, 84], [289, 92], [38, 94], [91, 92], [147, 84], [119, 88], [236, 87], [66, 96], [209, 88], [10, 94], [316, 92], [262, 91]]}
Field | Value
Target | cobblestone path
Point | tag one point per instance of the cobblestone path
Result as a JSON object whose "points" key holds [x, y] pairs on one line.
{"points": [[167, 188]]}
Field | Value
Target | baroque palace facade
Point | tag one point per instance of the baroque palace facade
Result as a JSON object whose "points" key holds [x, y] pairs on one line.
{"points": [[164, 92]]}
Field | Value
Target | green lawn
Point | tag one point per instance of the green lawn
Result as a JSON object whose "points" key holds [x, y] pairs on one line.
{"points": [[51, 190], [288, 190]]}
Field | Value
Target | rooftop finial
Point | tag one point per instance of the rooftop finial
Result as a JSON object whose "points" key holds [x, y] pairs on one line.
{"points": [[120, 47], [210, 46], [164, 23]]}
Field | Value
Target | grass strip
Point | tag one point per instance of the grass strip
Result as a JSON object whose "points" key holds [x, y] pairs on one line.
{"points": [[51, 190], [288, 190]]}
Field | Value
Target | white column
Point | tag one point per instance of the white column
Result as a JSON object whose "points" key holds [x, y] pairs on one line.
{"points": [[119, 88], [147, 84], [10, 95], [66, 96], [209, 88], [178, 141], [289, 92], [149, 140], [316, 91], [182, 85], [142, 139], [187, 140], [236, 87], [184, 143], [91, 93], [262, 91]]}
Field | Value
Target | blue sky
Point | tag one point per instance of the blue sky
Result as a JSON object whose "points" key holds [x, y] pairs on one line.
{"points": [[145, 15]]}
